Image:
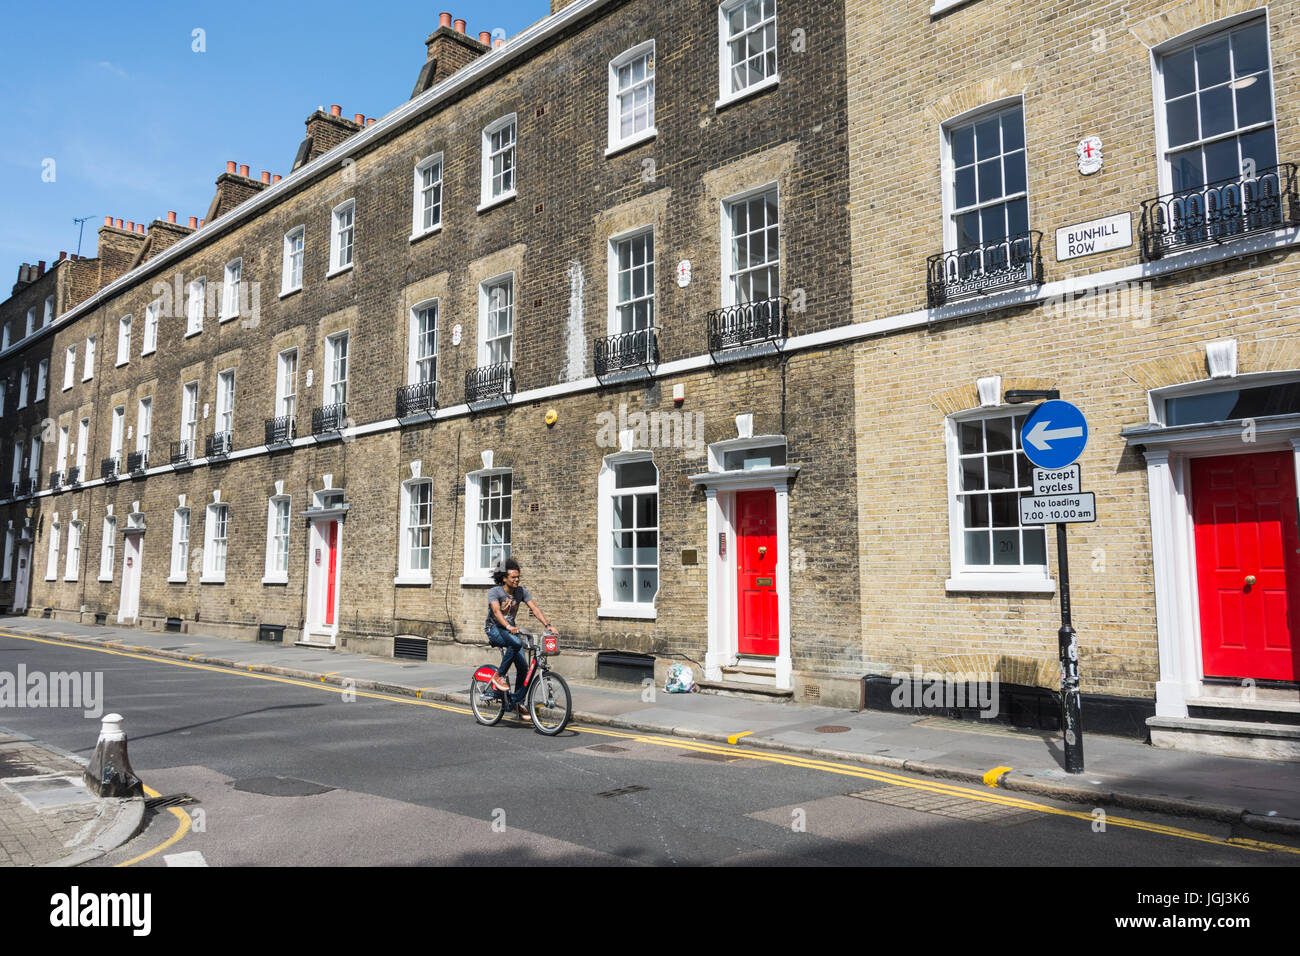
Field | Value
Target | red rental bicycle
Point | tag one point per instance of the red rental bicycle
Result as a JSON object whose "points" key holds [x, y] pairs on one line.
{"points": [[545, 691]]}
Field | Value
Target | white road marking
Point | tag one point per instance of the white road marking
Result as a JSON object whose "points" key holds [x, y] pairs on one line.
{"points": [[188, 858]]}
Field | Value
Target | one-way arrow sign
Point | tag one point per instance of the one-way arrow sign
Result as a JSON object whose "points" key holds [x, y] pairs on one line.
{"points": [[1054, 434]]}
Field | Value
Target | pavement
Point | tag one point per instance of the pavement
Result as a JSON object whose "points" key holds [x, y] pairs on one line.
{"points": [[1260, 795]]}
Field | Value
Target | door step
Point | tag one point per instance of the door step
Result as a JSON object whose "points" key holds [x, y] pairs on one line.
{"points": [[1232, 737], [747, 673], [745, 689], [1253, 711]]}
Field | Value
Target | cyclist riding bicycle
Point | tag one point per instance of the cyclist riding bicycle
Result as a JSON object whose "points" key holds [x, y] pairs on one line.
{"points": [[503, 604]]}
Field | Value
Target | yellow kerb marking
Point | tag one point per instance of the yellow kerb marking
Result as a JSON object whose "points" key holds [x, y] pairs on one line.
{"points": [[182, 828], [735, 737], [991, 778]]}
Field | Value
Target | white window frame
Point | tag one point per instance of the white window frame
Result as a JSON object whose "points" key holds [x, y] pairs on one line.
{"points": [[31, 322], [108, 548], [72, 563], [88, 366], [123, 341], [407, 572], [52, 556], [295, 245], [339, 341], [17, 472], [231, 286], [195, 303], [190, 414], [149, 341], [273, 573], [4, 394], [725, 93], [415, 339], [728, 276], [286, 399], [216, 543], [65, 439], [48, 318], [1028, 579], [24, 386], [179, 573], [117, 435], [419, 204], [224, 420], [83, 445], [617, 141], [607, 491], [144, 425], [612, 323], [343, 225], [473, 574], [948, 163], [69, 366], [7, 339], [484, 302], [6, 572], [42, 378], [34, 458], [489, 197]]}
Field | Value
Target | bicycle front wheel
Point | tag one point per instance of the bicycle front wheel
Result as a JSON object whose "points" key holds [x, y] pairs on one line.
{"points": [[486, 701], [549, 703]]}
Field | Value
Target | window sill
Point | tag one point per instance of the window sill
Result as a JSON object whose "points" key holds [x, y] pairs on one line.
{"points": [[66, 578], [1009, 583], [275, 579], [637, 140], [205, 579], [288, 292], [171, 580], [120, 362], [496, 200], [644, 612], [87, 378], [747, 92], [413, 580], [339, 271], [148, 352], [54, 578], [417, 236], [105, 580], [477, 581], [227, 318], [942, 5], [193, 332], [66, 388]]}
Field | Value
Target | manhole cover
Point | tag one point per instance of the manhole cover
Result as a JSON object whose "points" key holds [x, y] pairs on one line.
{"points": [[281, 787], [832, 729], [622, 790], [607, 749], [44, 793], [705, 755], [962, 808]]}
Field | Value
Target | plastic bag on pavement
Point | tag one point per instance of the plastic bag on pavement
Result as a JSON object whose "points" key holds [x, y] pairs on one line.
{"points": [[680, 679]]}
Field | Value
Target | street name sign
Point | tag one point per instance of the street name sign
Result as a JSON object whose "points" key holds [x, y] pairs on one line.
{"points": [[1061, 481], [1090, 238], [1054, 434], [1058, 509]]}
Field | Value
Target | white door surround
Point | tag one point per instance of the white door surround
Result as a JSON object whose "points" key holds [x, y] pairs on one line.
{"points": [[1168, 451], [128, 607], [23, 577]]}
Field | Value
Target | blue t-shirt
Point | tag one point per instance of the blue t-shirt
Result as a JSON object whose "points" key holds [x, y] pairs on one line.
{"points": [[509, 604]]}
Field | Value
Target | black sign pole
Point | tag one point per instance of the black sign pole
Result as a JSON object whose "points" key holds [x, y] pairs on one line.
{"points": [[1071, 716]]}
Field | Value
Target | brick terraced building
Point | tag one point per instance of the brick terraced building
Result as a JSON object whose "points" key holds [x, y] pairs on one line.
{"points": [[565, 303]]}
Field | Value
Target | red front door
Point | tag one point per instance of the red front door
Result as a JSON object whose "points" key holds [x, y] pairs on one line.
{"points": [[1247, 564], [756, 573], [331, 582]]}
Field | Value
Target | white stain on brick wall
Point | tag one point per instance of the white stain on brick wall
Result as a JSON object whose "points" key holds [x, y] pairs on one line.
{"points": [[575, 340]]}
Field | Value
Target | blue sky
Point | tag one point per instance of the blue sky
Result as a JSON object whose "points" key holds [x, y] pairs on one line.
{"points": [[137, 123]]}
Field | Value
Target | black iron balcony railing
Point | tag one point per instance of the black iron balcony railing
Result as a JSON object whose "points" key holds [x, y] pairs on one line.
{"points": [[109, 468], [182, 451], [56, 481], [417, 398], [489, 382], [1219, 211], [28, 486], [137, 462], [329, 418], [219, 444], [74, 475], [989, 267], [751, 323], [627, 351], [280, 431]]}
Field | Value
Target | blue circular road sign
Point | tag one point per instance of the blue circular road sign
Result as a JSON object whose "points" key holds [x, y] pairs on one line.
{"points": [[1054, 434]]}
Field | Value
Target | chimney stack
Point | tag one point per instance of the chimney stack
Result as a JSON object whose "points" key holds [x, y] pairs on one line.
{"points": [[449, 48], [119, 246], [324, 132]]}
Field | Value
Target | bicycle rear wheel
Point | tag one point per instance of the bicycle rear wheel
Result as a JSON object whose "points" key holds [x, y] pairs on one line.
{"points": [[549, 703], [488, 703]]}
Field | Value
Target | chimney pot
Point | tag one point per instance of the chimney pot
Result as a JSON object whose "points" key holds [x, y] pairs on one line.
{"points": [[139, 227], [485, 37], [62, 255], [336, 110], [171, 215], [117, 223], [243, 170], [459, 25], [130, 226], [371, 121], [444, 19], [40, 267], [276, 178], [359, 118], [500, 42], [202, 222], [266, 177], [108, 220], [230, 165], [194, 222]]}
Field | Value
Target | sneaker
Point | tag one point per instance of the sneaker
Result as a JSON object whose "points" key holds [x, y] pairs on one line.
{"points": [[524, 715], [500, 683]]}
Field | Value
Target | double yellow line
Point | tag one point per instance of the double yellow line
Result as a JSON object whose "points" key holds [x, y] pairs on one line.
{"points": [[996, 797]]}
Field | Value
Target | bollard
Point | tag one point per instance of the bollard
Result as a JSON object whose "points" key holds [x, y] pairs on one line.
{"points": [[110, 773]]}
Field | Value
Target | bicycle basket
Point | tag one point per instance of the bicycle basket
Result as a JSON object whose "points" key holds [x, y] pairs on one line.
{"points": [[551, 644]]}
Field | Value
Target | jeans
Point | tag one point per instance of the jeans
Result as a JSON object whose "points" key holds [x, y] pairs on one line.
{"points": [[512, 653]]}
